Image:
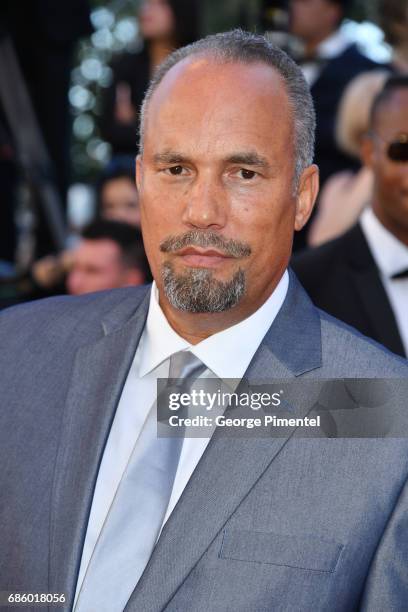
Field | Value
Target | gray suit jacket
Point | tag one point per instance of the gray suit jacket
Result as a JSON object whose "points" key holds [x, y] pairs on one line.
{"points": [[279, 524]]}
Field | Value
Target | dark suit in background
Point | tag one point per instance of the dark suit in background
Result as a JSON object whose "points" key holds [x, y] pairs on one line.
{"points": [[327, 92], [342, 278]]}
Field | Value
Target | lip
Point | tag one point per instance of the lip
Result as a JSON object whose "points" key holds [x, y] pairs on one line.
{"points": [[202, 258]]}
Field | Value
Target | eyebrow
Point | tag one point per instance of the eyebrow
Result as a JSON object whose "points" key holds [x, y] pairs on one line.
{"points": [[170, 157], [246, 158]]}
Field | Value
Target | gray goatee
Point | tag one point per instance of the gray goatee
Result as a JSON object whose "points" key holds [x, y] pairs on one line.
{"points": [[197, 290]]}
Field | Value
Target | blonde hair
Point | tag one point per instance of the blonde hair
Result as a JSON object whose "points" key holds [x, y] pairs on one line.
{"points": [[354, 111]]}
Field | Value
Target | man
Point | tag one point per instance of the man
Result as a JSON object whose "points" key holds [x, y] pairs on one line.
{"points": [[109, 255], [361, 277], [330, 61], [281, 523]]}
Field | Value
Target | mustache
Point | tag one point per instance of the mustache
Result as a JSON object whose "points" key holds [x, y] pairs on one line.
{"points": [[230, 247]]}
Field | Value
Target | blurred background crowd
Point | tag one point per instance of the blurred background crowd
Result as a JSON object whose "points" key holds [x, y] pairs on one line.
{"points": [[72, 77]]}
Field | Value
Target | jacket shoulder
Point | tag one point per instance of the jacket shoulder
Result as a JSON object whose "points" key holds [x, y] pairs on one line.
{"points": [[65, 318], [351, 354]]}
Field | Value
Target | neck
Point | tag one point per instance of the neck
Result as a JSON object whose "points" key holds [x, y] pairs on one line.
{"points": [[312, 44], [158, 51], [397, 229], [195, 327]]}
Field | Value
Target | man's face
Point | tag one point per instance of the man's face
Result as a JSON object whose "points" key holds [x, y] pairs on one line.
{"points": [[120, 201], [216, 185], [313, 19], [390, 201], [97, 265]]}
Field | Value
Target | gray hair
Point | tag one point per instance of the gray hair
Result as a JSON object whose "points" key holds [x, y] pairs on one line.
{"points": [[240, 46]]}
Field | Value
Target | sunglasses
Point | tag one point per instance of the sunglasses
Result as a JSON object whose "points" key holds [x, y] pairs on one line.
{"points": [[397, 150]]}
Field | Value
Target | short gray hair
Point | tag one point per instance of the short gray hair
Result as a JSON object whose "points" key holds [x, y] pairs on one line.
{"points": [[240, 46]]}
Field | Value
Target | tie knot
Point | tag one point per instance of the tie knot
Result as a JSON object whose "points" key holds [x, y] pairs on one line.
{"points": [[185, 365]]}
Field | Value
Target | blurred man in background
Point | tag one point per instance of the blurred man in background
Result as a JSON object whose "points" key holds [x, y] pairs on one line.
{"points": [[362, 277], [329, 62], [110, 255]]}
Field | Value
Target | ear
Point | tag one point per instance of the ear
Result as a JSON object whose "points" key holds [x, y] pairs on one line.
{"points": [[306, 195], [367, 151], [138, 171]]}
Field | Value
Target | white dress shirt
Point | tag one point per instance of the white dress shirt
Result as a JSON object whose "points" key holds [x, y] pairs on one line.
{"points": [[391, 257], [333, 46], [158, 342]]}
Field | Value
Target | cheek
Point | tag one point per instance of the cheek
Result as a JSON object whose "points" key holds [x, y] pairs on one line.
{"points": [[156, 224], [262, 215], [269, 236], [161, 206], [387, 180]]}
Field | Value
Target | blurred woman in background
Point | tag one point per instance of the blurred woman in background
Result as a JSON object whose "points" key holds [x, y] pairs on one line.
{"points": [[346, 193], [164, 25], [116, 193]]}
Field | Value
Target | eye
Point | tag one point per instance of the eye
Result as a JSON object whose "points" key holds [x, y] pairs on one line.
{"points": [[176, 170], [247, 174]]}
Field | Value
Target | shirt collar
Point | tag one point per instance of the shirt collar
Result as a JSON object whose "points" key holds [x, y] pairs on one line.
{"points": [[239, 342], [389, 253]]}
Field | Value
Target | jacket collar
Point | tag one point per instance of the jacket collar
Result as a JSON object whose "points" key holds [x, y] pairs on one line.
{"points": [[98, 376]]}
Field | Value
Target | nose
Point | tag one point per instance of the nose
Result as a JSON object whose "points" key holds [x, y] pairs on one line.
{"points": [[207, 205]]}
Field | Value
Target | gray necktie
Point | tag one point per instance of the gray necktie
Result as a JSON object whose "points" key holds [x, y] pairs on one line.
{"points": [[135, 518]]}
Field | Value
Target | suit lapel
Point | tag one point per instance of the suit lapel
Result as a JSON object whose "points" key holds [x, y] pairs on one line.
{"points": [[99, 373], [367, 283], [230, 467]]}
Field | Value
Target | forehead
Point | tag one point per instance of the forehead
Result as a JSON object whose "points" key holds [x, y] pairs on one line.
{"points": [[392, 115], [99, 250], [204, 103]]}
